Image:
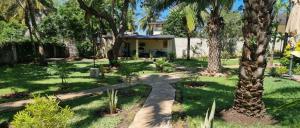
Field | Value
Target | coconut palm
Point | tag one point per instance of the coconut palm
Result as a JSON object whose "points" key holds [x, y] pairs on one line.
{"points": [[29, 12], [190, 22], [215, 25], [149, 16], [257, 32]]}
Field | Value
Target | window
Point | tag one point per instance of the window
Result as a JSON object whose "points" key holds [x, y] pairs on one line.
{"points": [[165, 44]]}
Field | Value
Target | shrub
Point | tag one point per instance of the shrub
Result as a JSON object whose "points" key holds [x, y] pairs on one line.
{"points": [[61, 68], [281, 70], [163, 65], [43, 113], [172, 56], [112, 100], [296, 69], [208, 122], [285, 60], [128, 72], [273, 72]]}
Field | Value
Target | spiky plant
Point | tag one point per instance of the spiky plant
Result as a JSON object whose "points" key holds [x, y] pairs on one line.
{"points": [[112, 100], [208, 121]]}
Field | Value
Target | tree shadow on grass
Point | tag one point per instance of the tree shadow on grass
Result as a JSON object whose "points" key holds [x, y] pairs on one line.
{"points": [[88, 107], [193, 63], [197, 100]]}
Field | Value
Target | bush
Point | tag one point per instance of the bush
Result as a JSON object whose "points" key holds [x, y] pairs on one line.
{"points": [[85, 49], [296, 69], [43, 113], [172, 56], [285, 60], [163, 65], [61, 68], [273, 72], [128, 72]]}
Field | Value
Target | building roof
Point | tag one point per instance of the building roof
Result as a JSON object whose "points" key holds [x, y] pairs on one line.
{"points": [[135, 36]]}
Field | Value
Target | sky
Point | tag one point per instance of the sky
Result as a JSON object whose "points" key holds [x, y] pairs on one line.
{"points": [[164, 14]]}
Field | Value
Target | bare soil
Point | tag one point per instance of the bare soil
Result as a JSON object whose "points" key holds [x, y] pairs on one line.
{"points": [[16, 95], [195, 84], [128, 116], [235, 117]]}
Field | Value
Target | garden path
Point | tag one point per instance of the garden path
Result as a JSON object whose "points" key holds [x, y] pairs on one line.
{"points": [[9, 106], [157, 109]]}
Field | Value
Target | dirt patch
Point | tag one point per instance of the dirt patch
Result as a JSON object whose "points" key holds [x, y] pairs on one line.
{"points": [[194, 84], [128, 116], [16, 95], [105, 112], [235, 117], [178, 116]]}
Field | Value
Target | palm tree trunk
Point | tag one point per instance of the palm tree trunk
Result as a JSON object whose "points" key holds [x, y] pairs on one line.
{"points": [[215, 26], [188, 47], [257, 33]]}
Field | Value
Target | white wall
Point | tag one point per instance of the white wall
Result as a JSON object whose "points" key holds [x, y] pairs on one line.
{"points": [[181, 47]]}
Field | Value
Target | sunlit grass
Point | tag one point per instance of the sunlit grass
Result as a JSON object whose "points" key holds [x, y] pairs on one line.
{"points": [[281, 96]]}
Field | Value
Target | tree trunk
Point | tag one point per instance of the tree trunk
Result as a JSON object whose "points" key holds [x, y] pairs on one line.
{"points": [[42, 57], [15, 55], [257, 33], [113, 53], [188, 47], [215, 26], [273, 47]]}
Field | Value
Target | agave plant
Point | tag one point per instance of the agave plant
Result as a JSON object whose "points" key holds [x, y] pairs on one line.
{"points": [[208, 121], [112, 100]]}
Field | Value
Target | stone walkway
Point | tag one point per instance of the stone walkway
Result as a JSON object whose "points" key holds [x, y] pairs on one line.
{"points": [[157, 109], [297, 78], [8, 106]]}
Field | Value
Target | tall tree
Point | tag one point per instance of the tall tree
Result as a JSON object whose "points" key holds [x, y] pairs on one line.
{"points": [[116, 17], [215, 25], [29, 11], [190, 22], [149, 16], [258, 16]]}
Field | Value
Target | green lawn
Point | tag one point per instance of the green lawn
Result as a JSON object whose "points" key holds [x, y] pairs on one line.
{"points": [[35, 79], [281, 96], [86, 108]]}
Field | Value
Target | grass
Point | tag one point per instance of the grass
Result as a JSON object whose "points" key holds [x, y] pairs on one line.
{"points": [[85, 108], [281, 96], [35, 79]]}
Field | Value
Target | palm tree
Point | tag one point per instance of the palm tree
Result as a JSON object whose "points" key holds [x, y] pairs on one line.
{"points": [[214, 26], [149, 16], [190, 22], [29, 11], [256, 31]]}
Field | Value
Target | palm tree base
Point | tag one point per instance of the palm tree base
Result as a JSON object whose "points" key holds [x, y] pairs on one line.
{"points": [[233, 116]]}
